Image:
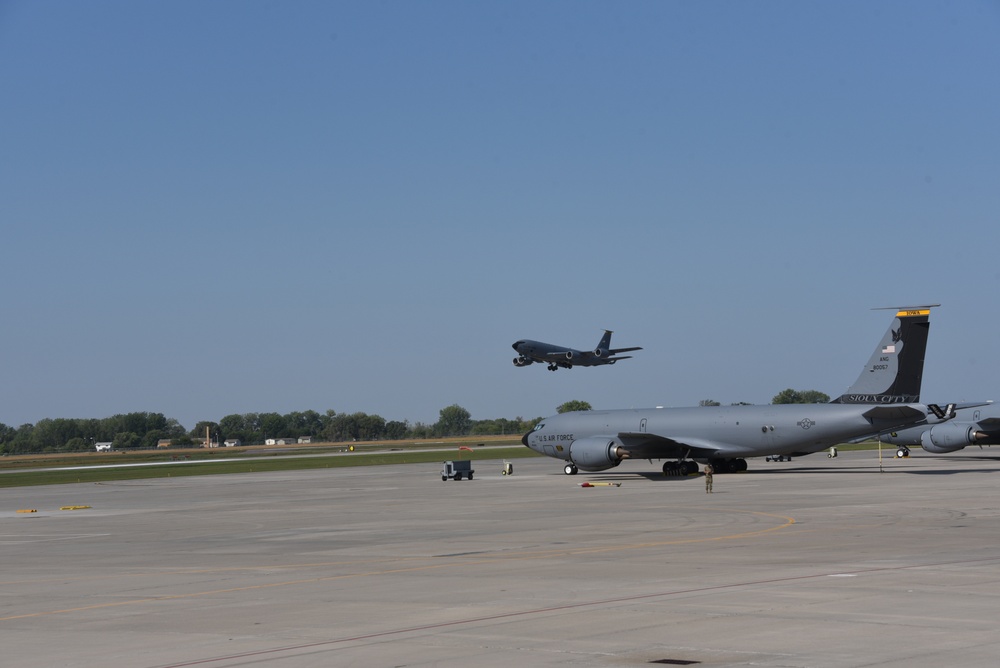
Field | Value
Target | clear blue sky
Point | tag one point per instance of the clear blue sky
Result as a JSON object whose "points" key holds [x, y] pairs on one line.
{"points": [[226, 207]]}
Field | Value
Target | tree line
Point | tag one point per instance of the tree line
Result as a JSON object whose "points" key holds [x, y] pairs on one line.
{"points": [[146, 430], [132, 430]]}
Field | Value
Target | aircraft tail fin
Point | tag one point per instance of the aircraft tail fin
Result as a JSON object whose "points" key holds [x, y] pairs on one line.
{"points": [[895, 370], [605, 350], [605, 343]]}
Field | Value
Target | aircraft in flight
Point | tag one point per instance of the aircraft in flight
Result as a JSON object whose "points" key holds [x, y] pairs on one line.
{"points": [[951, 431], [560, 356], [885, 397]]}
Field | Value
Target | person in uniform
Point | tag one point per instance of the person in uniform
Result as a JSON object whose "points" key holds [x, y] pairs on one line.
{"points": [[709, 471]]}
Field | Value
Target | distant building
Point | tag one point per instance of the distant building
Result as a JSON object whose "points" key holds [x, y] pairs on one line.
{"points": [[103, 447], [232, 443], [305, 439], [280, 441], [163, 443]]}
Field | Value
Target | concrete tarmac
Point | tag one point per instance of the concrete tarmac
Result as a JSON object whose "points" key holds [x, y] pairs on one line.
{"points": [[812, 563]]}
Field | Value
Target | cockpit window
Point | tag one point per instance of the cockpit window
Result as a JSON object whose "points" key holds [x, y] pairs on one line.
{"points": [[538, 426]]}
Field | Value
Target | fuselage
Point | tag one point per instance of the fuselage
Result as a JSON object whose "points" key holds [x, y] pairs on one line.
{"points": [[537, 351], [704, 433]]}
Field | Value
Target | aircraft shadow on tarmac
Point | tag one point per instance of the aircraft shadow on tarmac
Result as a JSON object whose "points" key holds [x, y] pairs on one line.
{"points": [[990, 464], [887, 468], [655, 476]]}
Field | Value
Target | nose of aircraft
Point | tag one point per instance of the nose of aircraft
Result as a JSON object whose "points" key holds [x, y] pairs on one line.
{"points": [[524, 439], [516, 344]]}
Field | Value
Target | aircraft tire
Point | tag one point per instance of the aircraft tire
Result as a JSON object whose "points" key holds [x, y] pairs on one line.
{"points": [[570, 469]]}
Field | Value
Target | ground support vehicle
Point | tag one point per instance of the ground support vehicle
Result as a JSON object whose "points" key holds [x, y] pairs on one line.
{"points": [[457, 470]]}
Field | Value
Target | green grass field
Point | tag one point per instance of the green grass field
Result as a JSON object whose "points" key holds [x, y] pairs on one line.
{"points": [[92, 467], [88, 468]]}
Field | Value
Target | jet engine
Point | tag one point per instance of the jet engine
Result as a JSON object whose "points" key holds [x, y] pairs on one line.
{"points": [[951, 436], [569, 355], [522, 361], [600, 352], [596, 454]]}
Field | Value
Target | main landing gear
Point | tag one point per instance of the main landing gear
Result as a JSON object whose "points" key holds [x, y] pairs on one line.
{"points": [[570, 469], [729, 465], [902, 452], [681, 468]]}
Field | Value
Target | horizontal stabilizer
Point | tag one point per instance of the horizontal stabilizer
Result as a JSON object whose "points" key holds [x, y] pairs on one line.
{"points": [[893, 413], [623, 350]]}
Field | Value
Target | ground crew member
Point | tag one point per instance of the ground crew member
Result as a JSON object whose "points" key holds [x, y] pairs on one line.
{"points": [[708, 478]]}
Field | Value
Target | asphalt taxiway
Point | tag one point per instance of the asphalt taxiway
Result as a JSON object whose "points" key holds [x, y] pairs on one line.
{"points": [[815, 563]]}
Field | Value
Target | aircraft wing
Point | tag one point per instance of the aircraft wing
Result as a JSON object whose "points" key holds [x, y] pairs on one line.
{"points": [[972, 404], [623, 350], [650, 446], [550, 357], [557, 355]]}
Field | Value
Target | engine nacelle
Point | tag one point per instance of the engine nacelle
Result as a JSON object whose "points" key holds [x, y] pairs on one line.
{"points": [[596, 454], [522, 361], [949, 437], [600, 352], [569, 355]]}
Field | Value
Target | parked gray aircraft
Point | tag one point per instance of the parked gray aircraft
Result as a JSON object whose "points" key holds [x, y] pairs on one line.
{"points": [[950, 431], [561, 356], [885, 397]]}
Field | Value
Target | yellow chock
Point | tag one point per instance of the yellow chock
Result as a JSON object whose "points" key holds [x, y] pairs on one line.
{"points": [[74, 507], [28, 510]]}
